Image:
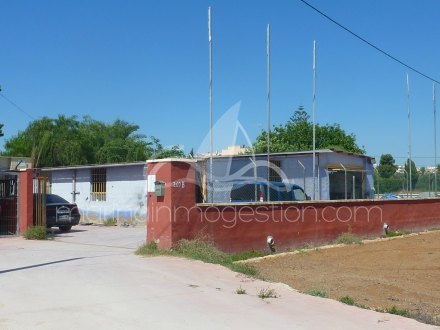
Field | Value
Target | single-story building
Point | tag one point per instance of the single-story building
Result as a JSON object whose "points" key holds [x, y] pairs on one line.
{"points": [[108, 191], [338, 175]]}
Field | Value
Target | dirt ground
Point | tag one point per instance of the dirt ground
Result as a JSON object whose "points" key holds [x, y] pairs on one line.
{"points": [[403, 272]]}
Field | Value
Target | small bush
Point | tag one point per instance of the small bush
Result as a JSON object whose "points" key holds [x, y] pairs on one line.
{"points": [[396, 233], [347, 300], [240, 290], [149, 249], [110, 222], [36, 233], [394, 310], [347, 238], [267, 293], [317, 293]]}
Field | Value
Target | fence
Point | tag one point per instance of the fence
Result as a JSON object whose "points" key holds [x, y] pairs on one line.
{"points": [[8, 205], [40, 191]]}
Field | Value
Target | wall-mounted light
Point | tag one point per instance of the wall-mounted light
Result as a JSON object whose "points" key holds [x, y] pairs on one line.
{"points": [[386, 228], [271, 243]]}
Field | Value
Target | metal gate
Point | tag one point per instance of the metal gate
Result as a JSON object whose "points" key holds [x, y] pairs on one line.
{"points": [[8, 205], [40, 190]]}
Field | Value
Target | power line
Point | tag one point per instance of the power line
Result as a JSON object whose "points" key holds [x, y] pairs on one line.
{"points": [[16, 106], [369, 43]]}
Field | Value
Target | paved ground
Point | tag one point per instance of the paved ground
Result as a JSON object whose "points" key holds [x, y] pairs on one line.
{"points": [[403, 272], [90, 279]]}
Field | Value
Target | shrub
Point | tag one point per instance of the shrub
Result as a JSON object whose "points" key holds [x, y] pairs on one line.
{"points": [[110, 222], [240, 290], [36, 233], [267, 293], [317, 293], [347, 300], [347, 238]]}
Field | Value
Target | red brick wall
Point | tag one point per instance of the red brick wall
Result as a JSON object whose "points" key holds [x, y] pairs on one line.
{"points": [[26, 200], [235, 227], [179, 177]]}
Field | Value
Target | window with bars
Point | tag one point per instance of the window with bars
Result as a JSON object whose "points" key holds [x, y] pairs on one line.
{"points": [[98, 185], [274, 170]]}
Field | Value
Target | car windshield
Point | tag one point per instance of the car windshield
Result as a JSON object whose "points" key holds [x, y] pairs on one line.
{"points": [[55, 199]]}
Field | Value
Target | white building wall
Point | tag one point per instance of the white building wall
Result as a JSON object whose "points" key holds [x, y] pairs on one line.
{"points": [[125, 197]]}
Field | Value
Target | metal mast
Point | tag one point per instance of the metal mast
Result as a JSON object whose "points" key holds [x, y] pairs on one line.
{"points": [[313, 120], [211, 186], [409, 134], [435, 140], [268, 110]]}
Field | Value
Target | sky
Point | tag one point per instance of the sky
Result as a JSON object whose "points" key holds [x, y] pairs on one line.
{"points": [[147, 62]]}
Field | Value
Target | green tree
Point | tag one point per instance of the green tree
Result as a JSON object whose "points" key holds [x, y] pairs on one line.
{"points": [[67, 141], [387, 166], [414, 173], [297, 135]]}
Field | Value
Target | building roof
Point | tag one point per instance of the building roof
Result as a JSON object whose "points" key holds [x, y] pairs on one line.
{"points": [[297, 153], [75, 167]]}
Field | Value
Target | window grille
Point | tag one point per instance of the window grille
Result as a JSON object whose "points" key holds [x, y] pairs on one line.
{"points": [[274, 170], [99, 185]]}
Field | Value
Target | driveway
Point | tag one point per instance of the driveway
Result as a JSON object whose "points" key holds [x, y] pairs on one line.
{"points": [[91, 279]]}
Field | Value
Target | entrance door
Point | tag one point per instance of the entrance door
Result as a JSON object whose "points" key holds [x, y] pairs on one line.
{"points": [[8, 205]]}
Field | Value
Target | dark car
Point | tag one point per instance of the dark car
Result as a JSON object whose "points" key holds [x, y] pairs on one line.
{"points": [[257, 191], [60, 213]]}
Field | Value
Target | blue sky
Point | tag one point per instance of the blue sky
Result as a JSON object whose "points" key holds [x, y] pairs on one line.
{"points": [[146, 62]]}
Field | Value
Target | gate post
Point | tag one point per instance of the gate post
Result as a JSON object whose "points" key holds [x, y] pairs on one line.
{"points": [[171, 211], [25, 199]]}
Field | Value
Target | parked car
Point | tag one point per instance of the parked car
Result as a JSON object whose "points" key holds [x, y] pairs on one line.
{"points": [[60, 213], [390, 196], [257, 191]]}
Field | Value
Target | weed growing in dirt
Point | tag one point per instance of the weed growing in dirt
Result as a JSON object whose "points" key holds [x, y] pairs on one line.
{"points": [[317, 293], [347, 300], [240, 290], [267, 293], [150, 249], [36, 233], [203, 250], [396, 311], [396, 233], [347, 238], [110, 222]]}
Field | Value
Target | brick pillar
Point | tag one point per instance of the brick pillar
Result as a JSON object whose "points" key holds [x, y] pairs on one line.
{"points": [[26, 200], [167, 220]]}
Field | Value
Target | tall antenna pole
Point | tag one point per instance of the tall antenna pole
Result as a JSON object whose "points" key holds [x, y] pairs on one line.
{"points": [[268, 110], [435, 140], [409, 134], [313, 119], [211, 186]]}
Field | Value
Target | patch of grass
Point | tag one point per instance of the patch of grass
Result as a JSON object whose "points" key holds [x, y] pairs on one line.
{"points": [[150, 249], [317, 293], [396, 311], [248, 255], [110, 222], [347, 238], [36, 233], [267, 293], [200, 249], [391, 233], [240, 290], [347, 300]]}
